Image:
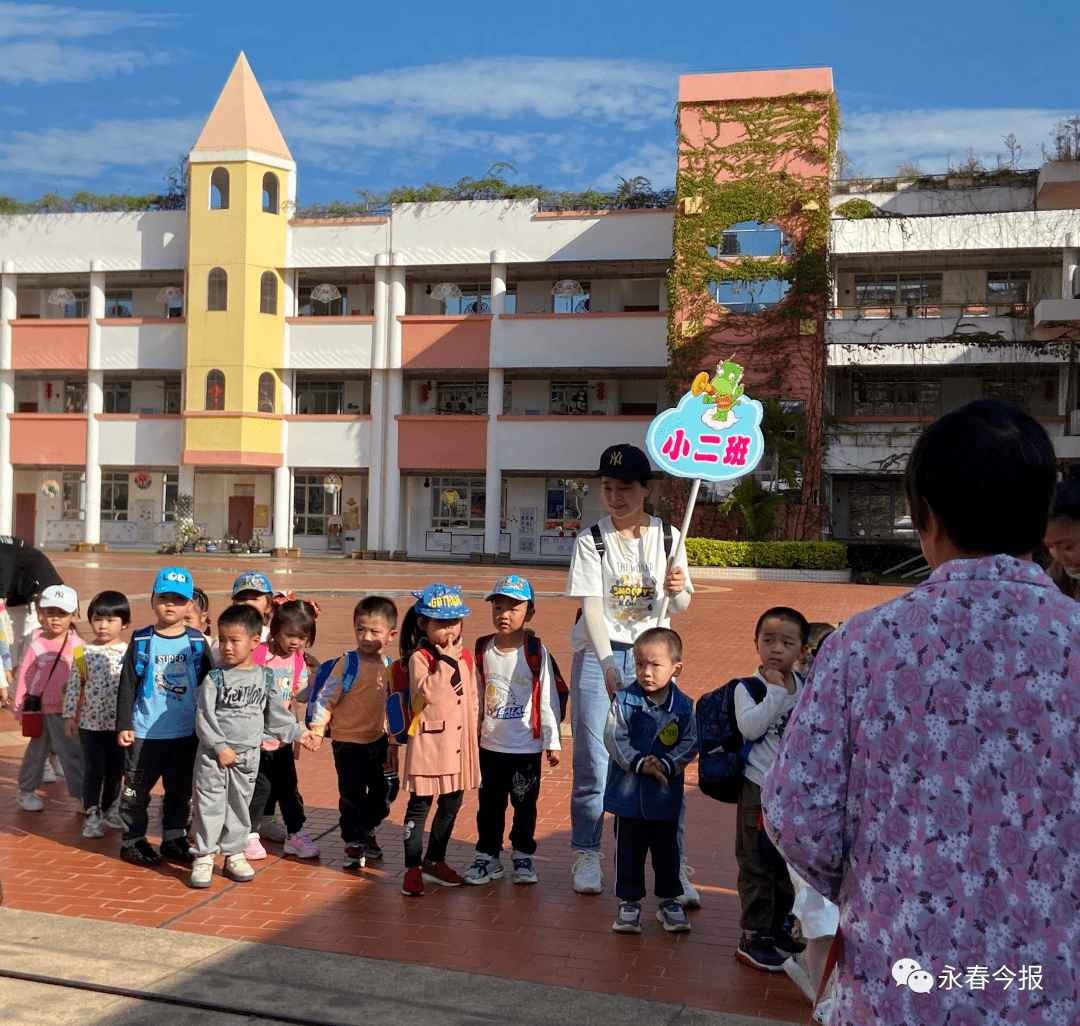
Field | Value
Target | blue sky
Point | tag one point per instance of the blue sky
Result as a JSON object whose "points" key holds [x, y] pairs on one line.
{"points": [[106, 96]]}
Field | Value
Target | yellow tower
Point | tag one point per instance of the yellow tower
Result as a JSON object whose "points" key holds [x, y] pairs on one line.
{"points": [[241, 178]]}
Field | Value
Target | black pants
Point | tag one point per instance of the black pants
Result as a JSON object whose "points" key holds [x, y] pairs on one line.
{"points": [[148, 760], [515, 776], [361, 787], [277, 782], [634, 839], [416, 814], [765, 888], [103, 762]]}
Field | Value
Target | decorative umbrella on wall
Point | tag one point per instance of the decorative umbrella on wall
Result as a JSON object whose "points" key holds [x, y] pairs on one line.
{"points": [[567, 289], [448, 290], [325, 293], [169, 295], [60, 297]]}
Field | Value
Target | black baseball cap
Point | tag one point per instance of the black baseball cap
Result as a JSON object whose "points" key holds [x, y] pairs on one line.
{"points": [[625, 463]]}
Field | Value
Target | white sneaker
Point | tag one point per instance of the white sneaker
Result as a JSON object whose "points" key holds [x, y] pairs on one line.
{"points": [[202, 871], [485, 868], [48, 775], [93, 826], [272, 830], [237, 868], [689, 897], [29, 800], [56, 764], [112, 816], [588, 879]]}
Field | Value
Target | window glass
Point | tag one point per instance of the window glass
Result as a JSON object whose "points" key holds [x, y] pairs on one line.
{"points": [[891, 396], [118, 303], [749, 296], [569, 397], [312, 505], [267, 392], [573, 304], [75, 396], [215, 390], [268, 293], [172, 403], [457, 397], [80, 307], [752, 238], [457, 502], [319, 397], [170, 489], [309, 307], [1008, 286], [217, 290], [563, 505], [878, 509], [117, 396], [114, 496], [73, 495]]}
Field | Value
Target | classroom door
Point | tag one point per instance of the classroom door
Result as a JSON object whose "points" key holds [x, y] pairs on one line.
{"points": [[242, 517], [25, 516]]}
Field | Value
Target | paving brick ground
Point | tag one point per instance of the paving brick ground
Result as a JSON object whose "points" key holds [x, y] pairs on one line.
{"points": [[544, 934]]}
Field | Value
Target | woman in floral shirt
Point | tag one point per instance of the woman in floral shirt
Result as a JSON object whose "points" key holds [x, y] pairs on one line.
{"points": [[929, 780]]}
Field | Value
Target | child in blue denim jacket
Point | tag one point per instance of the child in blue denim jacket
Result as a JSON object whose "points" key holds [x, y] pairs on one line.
{"points": [[651, 736]]}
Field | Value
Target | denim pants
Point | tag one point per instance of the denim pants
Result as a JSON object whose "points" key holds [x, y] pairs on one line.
{"points": [[589, 705]]}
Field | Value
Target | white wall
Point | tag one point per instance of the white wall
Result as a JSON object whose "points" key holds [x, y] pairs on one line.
{"points": [[338, 245]]}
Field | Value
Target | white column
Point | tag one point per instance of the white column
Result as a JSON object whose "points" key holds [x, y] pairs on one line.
{"points": [[8, 311], [376, 457], [95, 404], [392, 527], [1069, 261], [283, 475], [496, 378]]}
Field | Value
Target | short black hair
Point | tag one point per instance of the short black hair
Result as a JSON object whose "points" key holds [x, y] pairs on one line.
{"points": [[247, 617], [202, 603], [819, 631], [789, 615], [299, 615], [661, 635], [377, 605], [987, 470], [1066, 503], [110, 603]]}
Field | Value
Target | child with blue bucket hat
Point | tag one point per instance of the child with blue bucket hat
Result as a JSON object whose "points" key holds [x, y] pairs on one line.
{"points": [[441, 757]]}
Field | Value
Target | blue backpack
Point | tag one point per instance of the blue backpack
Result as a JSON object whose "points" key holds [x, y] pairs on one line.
{"points": [[349, 673], [723, 750], [140, 641]]}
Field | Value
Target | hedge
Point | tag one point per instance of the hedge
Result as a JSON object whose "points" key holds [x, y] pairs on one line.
{"points": [[781, 555]]}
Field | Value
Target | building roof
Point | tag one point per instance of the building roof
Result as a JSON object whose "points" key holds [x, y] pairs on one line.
{"points": [[241, 118]]}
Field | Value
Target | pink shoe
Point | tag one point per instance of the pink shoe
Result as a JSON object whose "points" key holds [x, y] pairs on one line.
{"points": [[254, 849], [301, 845]]}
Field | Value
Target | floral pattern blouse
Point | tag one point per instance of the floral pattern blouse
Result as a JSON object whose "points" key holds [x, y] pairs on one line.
{"points": [[929, 783], [91, 692]]}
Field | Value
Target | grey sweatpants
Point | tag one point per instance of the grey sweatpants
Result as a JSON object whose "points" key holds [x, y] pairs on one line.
{"points": [[37, 751], [221, 821]]}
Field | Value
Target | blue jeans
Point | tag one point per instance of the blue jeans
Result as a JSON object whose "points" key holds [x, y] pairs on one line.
{"points": [[589, 706]]}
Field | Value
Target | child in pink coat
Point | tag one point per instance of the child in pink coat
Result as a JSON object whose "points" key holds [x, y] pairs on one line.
{"points": [[442, 753]]}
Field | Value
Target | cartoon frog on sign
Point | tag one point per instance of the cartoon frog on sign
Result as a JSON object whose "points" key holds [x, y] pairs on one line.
{"points": [[725, 390]]}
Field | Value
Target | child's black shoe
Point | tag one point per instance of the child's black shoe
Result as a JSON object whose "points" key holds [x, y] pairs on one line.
{"points": [[177, 849], [141, 853]]}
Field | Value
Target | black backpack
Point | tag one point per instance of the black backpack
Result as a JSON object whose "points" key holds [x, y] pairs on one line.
{"points": [[722, 748]]}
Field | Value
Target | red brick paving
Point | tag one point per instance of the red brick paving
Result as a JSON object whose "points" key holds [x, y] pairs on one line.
{"points": [[543, 934]]}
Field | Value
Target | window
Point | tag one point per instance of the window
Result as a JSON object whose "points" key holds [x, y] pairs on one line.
{"points": [[572, 304], [217, 290], [458, 502], [462, 397], [915, 289], [73, 495], [80, 307], [312, 504], [752, 238], [170, 489], [118, 303], [476, 299], [267, 391], [319, 397], [563, 507], [1008, 286], [172, 401], [215, 390], [117, 396], [114, 496], [569, 397], [175, 308], [748, 297], [309, 307], [268, 293], [892, 397], [74, 396], [878, 509], [270, 193], [219, 189]]}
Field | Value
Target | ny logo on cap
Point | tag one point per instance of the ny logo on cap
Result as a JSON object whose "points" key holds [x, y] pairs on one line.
{"points": [[615, 459]]}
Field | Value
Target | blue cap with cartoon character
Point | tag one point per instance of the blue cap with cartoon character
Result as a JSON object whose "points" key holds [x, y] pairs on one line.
{"points": [[173, 580], [251, 582], [441, 602], [513, 587]]}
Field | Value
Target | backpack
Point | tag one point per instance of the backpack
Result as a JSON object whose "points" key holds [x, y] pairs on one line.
{"points": [[349, 673], [400, 711], [140, 642], [262, 653], [598, 539], [534, 657], [722, 748], [217, 675]]}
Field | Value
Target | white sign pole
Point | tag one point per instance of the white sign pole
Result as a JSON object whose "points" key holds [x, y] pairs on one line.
{"points": [[676, 556]]}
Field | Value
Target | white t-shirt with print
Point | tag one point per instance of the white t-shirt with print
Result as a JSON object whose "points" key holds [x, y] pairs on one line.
{"points": [[629, 578], [507, 698]]}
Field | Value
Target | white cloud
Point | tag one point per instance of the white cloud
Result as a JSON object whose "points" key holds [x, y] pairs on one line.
{"points": [[877, 141], [74, 155], [593, 89], [21, 21], [654, 162], [52, 62]]}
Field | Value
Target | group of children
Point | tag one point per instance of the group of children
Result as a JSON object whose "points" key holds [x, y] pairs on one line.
{"points": [[211, 720]]}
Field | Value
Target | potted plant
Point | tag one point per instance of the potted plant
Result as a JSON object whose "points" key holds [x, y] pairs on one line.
{"points": [[256, 543], [185, 531], [212, 545], [233, 543]]}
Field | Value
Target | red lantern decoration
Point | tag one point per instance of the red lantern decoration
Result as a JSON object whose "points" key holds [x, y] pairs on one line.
{"points": [[48, 390], [425, 392], [601, 391]]}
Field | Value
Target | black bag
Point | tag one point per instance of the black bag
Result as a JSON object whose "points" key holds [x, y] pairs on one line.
{"points": [[723, 749]]}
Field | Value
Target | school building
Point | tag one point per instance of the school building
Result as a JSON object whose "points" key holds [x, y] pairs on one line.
{"points": [[440, 381]]}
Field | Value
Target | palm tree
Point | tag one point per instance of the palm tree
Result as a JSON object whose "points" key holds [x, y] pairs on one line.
{"points": [[785, 441], [756, 510]]}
